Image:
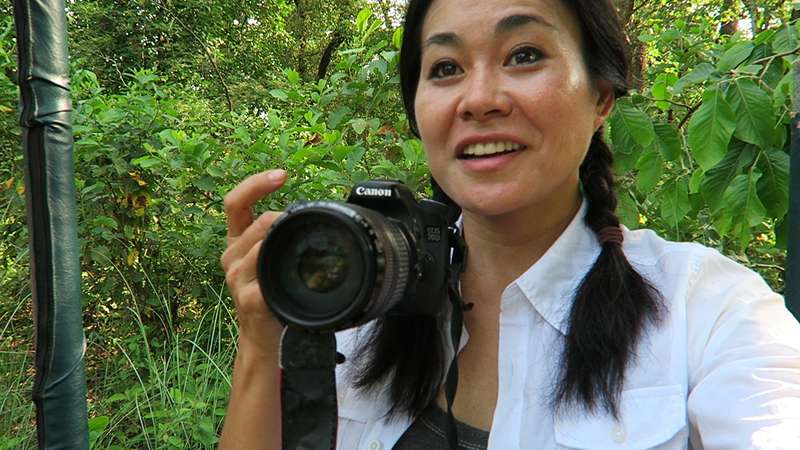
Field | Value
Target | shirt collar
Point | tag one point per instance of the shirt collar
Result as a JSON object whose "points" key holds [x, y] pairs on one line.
{"points": [[550, 284]]}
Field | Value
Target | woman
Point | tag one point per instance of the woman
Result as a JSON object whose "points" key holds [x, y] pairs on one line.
{"points": [[583, 335]]}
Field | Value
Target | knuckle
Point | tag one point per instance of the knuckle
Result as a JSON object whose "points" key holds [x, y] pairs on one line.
{"points": [[229, 202]]}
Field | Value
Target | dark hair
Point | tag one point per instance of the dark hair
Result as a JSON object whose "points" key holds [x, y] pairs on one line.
{"points": [[613, 304]]}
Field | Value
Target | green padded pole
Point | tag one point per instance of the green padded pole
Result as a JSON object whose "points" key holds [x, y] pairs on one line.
{"points": [[59, 389], [793, 254]]}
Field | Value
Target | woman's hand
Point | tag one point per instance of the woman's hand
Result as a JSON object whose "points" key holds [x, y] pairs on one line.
{"points": [[259, 330], [254, 415]]}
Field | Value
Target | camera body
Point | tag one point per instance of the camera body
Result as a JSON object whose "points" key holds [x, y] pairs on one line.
{"points": [[327, 266]]}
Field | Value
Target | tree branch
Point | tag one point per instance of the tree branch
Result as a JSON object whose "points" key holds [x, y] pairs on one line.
{"points": [[776, 56], [668, 101], [205, 48], [689, 114]]}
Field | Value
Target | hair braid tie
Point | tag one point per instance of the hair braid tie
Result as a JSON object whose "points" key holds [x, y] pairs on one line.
{"points": [[610, 234]]}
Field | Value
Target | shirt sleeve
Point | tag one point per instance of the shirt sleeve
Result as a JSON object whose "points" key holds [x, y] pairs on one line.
{"points": [[743, 360]]}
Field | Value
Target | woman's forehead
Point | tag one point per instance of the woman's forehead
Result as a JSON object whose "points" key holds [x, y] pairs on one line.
{"points": [[454, 16]]}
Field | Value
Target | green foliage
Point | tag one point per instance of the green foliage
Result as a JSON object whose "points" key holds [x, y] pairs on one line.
{"points": [[702, 153], [703, 150], [153, 160]]}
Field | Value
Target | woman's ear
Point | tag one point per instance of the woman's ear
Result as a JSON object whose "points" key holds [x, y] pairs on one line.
{"points": [[605, 102]]}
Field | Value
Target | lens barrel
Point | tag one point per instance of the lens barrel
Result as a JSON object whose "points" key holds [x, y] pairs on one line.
{"points": [[327, 266]]}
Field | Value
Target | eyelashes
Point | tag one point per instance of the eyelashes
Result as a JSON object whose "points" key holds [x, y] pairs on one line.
{"points": [[444, 69], [523, 55]]}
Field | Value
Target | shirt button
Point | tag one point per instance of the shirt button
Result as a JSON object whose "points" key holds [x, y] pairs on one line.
{"points": [[341, 395], [619, 434], [375, 445]]}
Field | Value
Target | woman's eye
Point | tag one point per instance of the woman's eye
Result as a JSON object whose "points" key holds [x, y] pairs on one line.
{"points": [[524, 55], [444, 69]]}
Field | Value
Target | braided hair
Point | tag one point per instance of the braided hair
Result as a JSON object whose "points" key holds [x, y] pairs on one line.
{"points": [[613, 305]]}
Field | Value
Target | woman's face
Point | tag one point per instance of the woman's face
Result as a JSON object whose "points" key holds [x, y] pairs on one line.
{"points": [[505, 107]]}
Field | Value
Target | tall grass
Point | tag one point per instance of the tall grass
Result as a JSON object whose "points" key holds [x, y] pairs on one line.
{"points": [[151, 384], [162, 390]]}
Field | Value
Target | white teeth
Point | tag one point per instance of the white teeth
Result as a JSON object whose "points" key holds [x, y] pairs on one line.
{"points": [[490, 148]]}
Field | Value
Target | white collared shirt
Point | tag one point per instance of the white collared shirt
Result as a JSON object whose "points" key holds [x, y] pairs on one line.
{"points": [[722, 371]]}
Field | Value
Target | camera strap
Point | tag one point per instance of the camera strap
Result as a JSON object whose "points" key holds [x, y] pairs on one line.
{"points": [[458, 264], [309, 411]]}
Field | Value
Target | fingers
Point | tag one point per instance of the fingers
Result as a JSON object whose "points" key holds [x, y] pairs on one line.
{"points": [[239, 201], [241, 247]]}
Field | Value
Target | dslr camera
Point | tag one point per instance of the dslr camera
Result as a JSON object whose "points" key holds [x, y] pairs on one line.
{"points": [[327, 266]]}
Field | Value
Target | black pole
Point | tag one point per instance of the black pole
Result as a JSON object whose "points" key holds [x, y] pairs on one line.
{"points": [[793, 251], [59, 389]]}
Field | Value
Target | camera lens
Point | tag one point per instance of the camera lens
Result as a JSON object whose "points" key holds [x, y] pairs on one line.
{"points": [[326, 266], [322, 263]]}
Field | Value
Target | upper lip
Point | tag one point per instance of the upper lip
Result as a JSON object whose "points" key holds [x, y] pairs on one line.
{"points": [[486, 139]]}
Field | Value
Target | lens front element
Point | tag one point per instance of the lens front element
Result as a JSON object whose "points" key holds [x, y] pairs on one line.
{"points": [[323, 263], [326, 266]]}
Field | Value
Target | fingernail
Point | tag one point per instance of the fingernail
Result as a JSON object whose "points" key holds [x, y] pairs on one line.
{"points": [[276, 175]]}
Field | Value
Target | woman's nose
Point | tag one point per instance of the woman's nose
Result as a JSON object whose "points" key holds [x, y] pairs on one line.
{"points": [[483, 96]]}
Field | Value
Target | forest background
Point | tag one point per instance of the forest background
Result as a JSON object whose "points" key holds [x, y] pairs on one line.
{"points": [[176, 101]]}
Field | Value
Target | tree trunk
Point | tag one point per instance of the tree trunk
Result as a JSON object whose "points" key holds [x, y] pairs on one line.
{"points": [[336, 41], [637, 50], [730, 24], [302, 38]]}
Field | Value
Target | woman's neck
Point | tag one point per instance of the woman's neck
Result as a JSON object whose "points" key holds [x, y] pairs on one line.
{"points": [[504, 247]]}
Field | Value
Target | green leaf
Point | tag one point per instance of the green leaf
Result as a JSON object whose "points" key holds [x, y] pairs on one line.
{"points": [[711, 128], [718, 179], [293, 76], [625, 158], [784, 40], [628, 121], [98, 423], [697, 75], [340, 152], [274, 120], [279, 94], [335, 118], [783, 90], [650, 170], [735, 56], [116, 397], [205, 183], [147, 161], [105, 222], [670, 35], [215, 172], [773, 186], [743, 206], [755, 121], [359, 125], [697, 179], [675, 204], [667, 141], [363, 18], [627, 212], [763, 37], [353, 159], [646, 38], [397, 38]]}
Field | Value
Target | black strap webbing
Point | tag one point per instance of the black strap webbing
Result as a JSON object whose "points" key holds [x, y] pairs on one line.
{"points": [[308, 390], [457, 266]]}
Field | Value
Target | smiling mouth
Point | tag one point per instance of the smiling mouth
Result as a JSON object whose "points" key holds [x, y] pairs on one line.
{"points": [[490, 150]]}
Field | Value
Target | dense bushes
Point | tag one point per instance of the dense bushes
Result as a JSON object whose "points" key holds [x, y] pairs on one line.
{"points": [[702, 154]]}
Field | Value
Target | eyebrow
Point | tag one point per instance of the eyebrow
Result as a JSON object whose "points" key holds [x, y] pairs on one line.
{"points": [[446, 39], [511, 23], [504, 26]]}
